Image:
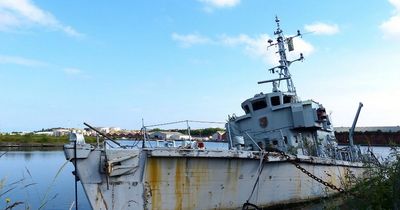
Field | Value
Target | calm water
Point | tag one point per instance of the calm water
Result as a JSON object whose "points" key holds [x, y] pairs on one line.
{"points": [[43, 176], [39, 180]]}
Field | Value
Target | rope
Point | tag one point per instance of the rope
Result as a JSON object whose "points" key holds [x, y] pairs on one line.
{"points": [[247, 205], [260, 169]]}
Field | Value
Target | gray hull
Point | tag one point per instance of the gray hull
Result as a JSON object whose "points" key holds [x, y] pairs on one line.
{"points": [[162, 178]]}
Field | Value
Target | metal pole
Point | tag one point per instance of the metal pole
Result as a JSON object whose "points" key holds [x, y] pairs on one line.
{"points": [[188, 129], [144, 134], [230, 135], [76, 177], [353, 127], [253, 141], [103, 134]]}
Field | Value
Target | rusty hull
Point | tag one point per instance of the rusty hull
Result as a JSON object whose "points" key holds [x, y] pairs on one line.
{"points": [[163, 178]]}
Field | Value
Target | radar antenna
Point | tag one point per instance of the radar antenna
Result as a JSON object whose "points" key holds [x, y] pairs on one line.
{"points": [[283, 68]]}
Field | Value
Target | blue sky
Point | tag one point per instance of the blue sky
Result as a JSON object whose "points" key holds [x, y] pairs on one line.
{"points": [[111, 64]]}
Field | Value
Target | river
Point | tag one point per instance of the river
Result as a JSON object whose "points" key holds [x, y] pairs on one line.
{"points": [[44, 178]]}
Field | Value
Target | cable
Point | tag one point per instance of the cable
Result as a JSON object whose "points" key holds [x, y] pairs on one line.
{"points": [[260, 169]]}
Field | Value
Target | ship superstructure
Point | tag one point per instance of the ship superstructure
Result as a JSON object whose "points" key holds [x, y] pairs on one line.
{"points": [[279, 120]]}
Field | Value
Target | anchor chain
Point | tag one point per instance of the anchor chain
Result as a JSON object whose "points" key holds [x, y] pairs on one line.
{"points": [[298, 166]]}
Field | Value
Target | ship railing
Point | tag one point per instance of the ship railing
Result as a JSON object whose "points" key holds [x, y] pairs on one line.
{"points": [[166, 143], [146, 135]]}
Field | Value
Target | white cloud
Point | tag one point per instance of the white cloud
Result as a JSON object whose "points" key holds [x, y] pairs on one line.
{"points": [[16, 60], [72, 71], [257, 47], [220, 3], [253, 46], [396, 4], [210, 5], [322, 28], [391, 27], [40, 65], [15, 14], [189, 40]]}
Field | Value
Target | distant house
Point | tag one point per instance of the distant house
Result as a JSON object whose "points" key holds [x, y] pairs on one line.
{"points": [[89, 132], [60, 132], [200, 138], [19, 133], [104, 129], [219, 136], [47, 133], [165, 135], [180, 136], [114, 129]]}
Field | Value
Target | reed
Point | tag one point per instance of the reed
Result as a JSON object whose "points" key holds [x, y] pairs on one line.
{"points": [[6, 189]]}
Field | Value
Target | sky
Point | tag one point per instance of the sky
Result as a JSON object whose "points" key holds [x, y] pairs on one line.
{"points": [[107, 63]]}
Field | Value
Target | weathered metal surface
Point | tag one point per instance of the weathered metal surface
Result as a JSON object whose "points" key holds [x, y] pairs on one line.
{"points": [[83, 151], [173, 180], [226, 183]]}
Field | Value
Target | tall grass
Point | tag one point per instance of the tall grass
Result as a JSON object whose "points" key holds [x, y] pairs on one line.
{"points": [[6, 189], [380, 188]]}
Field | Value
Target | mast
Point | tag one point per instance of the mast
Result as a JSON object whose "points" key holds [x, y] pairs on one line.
{"points": [[283, 68]]}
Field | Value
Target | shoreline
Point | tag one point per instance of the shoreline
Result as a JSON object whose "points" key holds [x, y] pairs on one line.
{"points": [[36, 145]]}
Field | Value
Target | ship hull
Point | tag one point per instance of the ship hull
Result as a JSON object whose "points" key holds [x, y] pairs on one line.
{"points": [[195, 179]]}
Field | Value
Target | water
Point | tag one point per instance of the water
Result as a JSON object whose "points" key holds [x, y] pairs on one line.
{"points": [[39, 181], [44, 176]]}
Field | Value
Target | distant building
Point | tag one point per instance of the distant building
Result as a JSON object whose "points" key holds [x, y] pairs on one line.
{"points": [[164, 135], [200, 138], [47, 133], [104, 129], [219, 136], [114, 130], [19, 133], [381, 135], [370, 129], [179, 136], [60, 132]]}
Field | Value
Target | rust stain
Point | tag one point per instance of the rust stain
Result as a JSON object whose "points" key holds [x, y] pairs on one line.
{"points": [[154, 173], [199, 178], [179, 183], [298, 181], [191, 175]]}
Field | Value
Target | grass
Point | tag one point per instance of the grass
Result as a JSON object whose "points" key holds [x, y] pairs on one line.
{"points": [[379, 189], [40, 139]]}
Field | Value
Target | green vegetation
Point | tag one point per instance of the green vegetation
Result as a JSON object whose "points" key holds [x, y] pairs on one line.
{"points": [[39, 139], [380, 189]]}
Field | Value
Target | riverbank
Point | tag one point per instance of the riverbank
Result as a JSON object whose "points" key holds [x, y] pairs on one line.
{"points": [[31, 140]]}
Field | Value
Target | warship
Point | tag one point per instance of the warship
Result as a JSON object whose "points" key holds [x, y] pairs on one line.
{"points": [[282, 150]]}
